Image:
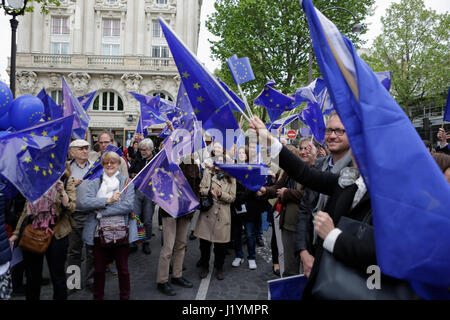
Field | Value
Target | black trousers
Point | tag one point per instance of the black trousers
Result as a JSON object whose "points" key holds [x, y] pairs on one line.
{"points": [[219, 254], [56, 255]]}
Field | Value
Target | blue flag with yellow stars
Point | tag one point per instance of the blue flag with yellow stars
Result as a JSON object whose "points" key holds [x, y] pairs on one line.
{"points": [[51, 110], [409, 195], [140, 129], [150, 115], [96, 169], [235, 97], [313, 117], [183, 103], [281, 122], [34, 159], [164, 109], [274, 101], [163, 181], [186, 139], [210, 102], [70, 105], [447, 107], [251, 176], [240, 69], [87, 99]]}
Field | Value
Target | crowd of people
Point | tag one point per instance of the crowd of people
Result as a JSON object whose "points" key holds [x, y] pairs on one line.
{"points": [[310, 188]]}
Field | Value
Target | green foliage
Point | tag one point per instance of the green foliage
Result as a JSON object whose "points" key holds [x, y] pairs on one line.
{"points": [[274, 35], [44, 5], [414, 47]]}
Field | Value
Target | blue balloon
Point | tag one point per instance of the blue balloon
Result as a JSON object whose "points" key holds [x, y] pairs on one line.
{"points": [[4, 122], [6, 98], [25, 111]]}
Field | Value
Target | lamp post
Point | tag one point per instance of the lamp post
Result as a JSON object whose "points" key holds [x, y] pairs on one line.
{"points": [[14, 8], [357, 28]]}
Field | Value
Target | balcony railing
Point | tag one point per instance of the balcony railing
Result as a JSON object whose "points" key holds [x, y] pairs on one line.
{"points": [[156, 62], [52, 59], [105, 60], [75, 61]]}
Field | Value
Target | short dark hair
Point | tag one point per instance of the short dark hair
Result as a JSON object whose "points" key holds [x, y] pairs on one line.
{"points": [[109, 134], [442, 160]]}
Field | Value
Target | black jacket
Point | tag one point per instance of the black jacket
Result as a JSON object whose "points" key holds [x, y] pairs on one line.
{"points": [[348, 249]]}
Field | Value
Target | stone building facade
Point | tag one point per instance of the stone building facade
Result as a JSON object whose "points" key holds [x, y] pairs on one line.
{"points": [[113, 46]]}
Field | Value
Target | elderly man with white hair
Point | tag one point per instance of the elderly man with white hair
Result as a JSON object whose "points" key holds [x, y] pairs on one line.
{"points": [[79, 166], [143, 205]]}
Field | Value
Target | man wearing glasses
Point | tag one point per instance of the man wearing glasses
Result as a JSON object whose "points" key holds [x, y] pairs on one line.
{"points": [[105, 139], [340, 157]]}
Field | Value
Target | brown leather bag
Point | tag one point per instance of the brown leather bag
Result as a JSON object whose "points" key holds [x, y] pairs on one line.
{"points": [[36, 240]]}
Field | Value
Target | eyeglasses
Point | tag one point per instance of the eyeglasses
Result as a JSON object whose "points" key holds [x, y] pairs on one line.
{"points": [[338, 132], [110, 163], [104, 142]]}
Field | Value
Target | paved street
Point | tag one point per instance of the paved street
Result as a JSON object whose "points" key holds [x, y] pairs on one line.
{"points": [[239, 284]]}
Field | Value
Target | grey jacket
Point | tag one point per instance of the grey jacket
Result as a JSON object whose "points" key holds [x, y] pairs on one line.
{"points": [[92, 204]]}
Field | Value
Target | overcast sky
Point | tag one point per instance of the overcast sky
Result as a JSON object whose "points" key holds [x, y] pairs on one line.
{"points": [[373, 22]]}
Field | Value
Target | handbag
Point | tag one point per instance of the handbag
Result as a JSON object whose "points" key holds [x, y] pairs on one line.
{"points": [[112, 231], [206, 202], [338, 281], [36, 240]]}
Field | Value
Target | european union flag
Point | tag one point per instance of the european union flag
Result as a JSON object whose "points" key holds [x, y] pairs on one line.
{"points": [[315, 92], [162, 108], [186, 139], [183, 102], [305, 132], [149, 114], [287, 288], [210, 102], [410, 196], [282, 122], [96, 169], [447, 107], [34, 159], [86, 100], [274, 101], [235, 97], [240, 69], [140, 129], [385, 78], [71, 105], [313, 117], [251, 176], [163, 181], [51, 110]]}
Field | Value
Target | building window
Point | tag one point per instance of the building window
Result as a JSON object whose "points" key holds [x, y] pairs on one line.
{"points": [[60, 25], [111, 27], [56, 96], [161, 1], [108, 101], [157, 32], [112, 1], [60, 47], [162, 95], [111, 37], [160, 52]]}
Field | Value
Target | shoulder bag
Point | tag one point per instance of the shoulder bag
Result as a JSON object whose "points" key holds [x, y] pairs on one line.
{"points": [[206, 202], [338, 281]]}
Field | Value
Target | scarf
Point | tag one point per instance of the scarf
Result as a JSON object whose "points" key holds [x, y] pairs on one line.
{"points": [[42, 210], [109, 186]]}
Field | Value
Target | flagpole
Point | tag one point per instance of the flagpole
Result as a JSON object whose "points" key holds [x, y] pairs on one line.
{"points": [[245, 101]]}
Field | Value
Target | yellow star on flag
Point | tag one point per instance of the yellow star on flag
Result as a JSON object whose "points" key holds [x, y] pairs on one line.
{"points": [[36, 168], [196, 86], [200, 99], [44, 133], [55, 138], [185, 75], [27, 159]]}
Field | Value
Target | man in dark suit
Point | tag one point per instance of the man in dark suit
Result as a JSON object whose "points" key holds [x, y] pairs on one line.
{"points": [[312, 202], [348, 197]]}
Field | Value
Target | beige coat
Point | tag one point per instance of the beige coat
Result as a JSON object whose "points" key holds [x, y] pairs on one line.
{"points": [[63, 214], [214, 225]]}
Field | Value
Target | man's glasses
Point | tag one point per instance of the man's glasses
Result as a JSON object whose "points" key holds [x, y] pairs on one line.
{"points": [[338, 132], [104, 142]]}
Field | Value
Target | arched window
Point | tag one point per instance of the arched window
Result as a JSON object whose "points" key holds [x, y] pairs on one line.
{"points": [[56, 96], [163, 95], [107, 101]]}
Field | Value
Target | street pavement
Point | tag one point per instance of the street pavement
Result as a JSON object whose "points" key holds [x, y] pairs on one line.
{"points": [[240, 283]]}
